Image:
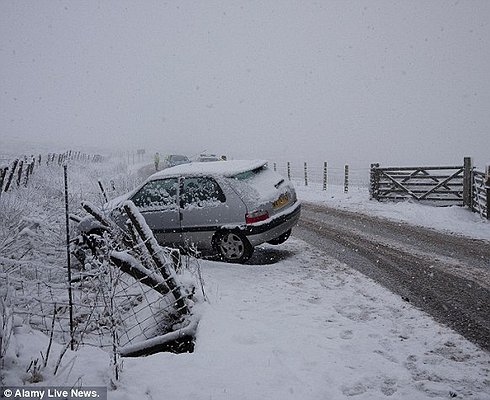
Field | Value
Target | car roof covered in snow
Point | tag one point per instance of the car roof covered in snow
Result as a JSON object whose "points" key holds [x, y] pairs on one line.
{"points": [[223, 168]]}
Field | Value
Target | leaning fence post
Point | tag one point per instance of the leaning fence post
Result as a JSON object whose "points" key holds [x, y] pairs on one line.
{"points": [[306, 174], [11, 174], [27, 174], [102, 190], [3, 173], [289, 170], [467, 183], [32, 165], [325, 176], [154, 249], [346, 178], [19, 172]]}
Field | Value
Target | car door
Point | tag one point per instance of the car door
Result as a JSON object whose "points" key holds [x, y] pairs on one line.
{"points": [[204, 209], [157, 202]]}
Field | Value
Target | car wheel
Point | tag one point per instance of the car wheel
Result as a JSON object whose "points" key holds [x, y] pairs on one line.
{"points": [[233, 247], [280, 239]]}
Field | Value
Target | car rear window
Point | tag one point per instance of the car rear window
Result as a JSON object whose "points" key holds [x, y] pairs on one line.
{"points": [[249, 174]]}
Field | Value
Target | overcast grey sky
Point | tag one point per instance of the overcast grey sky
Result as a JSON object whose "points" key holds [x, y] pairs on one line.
{"points": [[396, 82]]}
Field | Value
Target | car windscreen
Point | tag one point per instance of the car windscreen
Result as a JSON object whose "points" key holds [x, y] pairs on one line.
{"points": [[179, 158]]}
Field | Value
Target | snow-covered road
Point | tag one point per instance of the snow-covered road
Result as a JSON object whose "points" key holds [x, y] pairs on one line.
{"points": [[445, 275]]}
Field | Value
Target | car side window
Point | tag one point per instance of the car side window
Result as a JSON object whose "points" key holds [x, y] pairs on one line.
{"points": [[157, 194], [201, 191]]}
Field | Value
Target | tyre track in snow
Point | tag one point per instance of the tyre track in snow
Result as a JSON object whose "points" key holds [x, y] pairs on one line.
{"points": [[447, 276]]}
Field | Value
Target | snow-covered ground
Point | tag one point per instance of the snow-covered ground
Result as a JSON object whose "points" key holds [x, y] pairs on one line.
{"points": [[296, 325], [307, 327]]}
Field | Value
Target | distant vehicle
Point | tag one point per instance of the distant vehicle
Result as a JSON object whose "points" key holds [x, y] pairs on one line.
{"points": [[225, 206], [208, 158], [171, 160]]}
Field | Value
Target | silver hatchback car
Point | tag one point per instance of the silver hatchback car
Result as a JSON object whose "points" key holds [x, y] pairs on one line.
{"points": [[226, 206]]}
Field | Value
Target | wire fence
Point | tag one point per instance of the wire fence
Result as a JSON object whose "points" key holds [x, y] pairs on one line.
{"points": [[107, 304], [109, 308], [17, 171], [307, 173]]}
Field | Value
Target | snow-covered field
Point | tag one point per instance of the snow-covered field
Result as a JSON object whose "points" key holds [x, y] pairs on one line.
{"points": [[296, 324]]}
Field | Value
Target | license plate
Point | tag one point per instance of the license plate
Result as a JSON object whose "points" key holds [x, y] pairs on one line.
{"points": [[281, 201]]}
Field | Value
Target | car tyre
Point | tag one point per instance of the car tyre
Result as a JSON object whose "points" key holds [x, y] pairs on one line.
{"points": [[233, 247], [280, 239]]}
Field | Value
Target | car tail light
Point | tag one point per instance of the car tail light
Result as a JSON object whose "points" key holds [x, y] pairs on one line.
{"points": [[256, 216]]}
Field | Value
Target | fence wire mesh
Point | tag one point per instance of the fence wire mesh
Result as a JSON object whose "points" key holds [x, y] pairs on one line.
{"points": [[106, 301]]}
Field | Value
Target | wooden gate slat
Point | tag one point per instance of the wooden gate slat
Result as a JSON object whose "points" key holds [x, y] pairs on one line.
{"points": [[396, 183], [442, 183]]}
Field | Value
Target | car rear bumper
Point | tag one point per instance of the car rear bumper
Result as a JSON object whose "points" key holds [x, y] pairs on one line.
{"points": [[269, 230]]}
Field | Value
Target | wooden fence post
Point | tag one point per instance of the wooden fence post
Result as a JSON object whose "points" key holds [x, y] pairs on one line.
{"points": [[19, 172], [487, 190], [3, 173], [31, 166], [374, 182], [102, 190], [11, 175], [488, 202], [306, 174], [325, 176], [27, 174], [155, 250], [68, 259], [29, 171], [467, 183], [289, 170], [346, 178]]}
